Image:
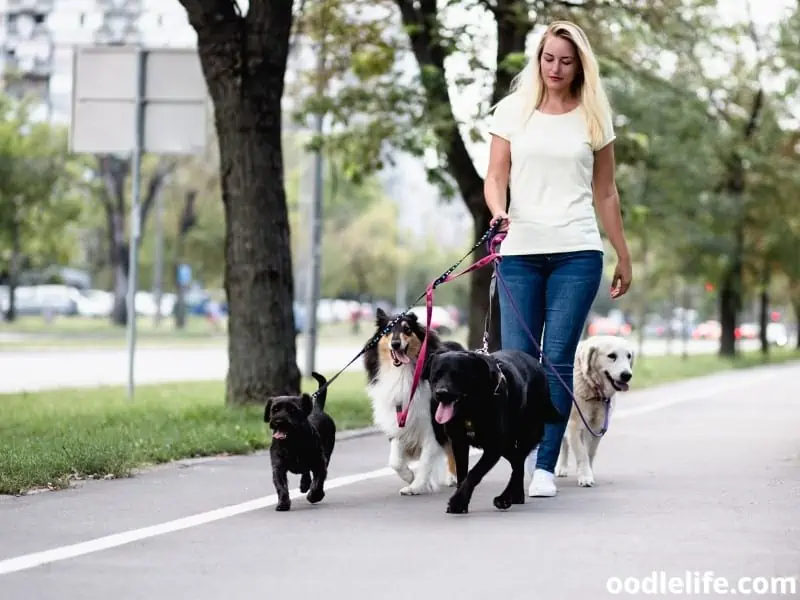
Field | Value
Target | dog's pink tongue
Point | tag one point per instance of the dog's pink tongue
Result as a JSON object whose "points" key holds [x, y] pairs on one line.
{"points": [[444, 413], [401, 357], [279, 435]]}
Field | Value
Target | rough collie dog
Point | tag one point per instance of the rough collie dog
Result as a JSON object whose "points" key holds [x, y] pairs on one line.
{"points": [[390, 371]]}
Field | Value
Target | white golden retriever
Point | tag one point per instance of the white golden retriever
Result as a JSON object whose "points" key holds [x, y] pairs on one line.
{"points": [[603, 367]]}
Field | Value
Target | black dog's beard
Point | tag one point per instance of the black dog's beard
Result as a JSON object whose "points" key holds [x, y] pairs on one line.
{"points": [[279, 431]]}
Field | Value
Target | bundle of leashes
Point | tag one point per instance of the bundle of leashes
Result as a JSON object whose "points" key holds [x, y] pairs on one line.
{"points": [[446, 276], [493, 238]]}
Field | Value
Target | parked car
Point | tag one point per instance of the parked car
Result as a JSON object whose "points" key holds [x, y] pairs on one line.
{"points": [[441, 320]]}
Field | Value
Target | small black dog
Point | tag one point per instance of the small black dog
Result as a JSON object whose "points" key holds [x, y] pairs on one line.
{"points": [[499, 402], [302, 443]]}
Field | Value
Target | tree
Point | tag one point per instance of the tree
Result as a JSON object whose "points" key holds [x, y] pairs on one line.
{"points": [[243, 58], [378, 106], [111, 175], [37, 201]]}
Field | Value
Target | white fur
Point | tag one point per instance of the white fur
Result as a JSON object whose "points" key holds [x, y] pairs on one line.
{"points": [[393, 387], [591, 386]]}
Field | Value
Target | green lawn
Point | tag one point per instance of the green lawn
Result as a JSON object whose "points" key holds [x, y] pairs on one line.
{"points": [[33, 333], [49, 438]]}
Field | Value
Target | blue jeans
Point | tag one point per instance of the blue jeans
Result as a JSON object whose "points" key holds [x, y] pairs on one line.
{"points": [[554, 293]]}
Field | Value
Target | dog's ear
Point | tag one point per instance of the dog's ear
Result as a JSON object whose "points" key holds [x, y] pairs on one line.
{"points": [[426, 368], [586, 357], [307, 404], [381, 318], [267, 408]]}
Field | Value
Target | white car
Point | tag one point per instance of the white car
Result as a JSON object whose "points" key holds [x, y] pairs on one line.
{"points": [[441, 321], [777, 334]]}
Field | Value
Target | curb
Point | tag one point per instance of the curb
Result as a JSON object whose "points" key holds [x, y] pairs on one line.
{"points": [[185, 463]]}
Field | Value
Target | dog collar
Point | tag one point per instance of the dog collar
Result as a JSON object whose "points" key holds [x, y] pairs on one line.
{"points": [[600, 395]]}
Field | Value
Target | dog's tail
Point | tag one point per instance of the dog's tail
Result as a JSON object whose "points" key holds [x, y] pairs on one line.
{"points": [[323, 394]]}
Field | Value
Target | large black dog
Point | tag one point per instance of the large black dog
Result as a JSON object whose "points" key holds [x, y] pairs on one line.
{"points": [[302, 443], [499, 402]]}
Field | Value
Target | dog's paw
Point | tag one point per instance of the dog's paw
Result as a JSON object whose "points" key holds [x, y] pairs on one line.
{"points": [[315, 495], [283, 506], [561, 471], [410, 490], [450, 480], [503, 502], [457, 505], [586, 480], [305, 483]]}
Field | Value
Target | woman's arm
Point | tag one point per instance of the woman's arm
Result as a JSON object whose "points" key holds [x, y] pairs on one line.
{"points": [[495, 185], [606, 201]]}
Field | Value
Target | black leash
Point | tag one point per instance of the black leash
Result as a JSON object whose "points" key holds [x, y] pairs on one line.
{"points": [[377, 337]]}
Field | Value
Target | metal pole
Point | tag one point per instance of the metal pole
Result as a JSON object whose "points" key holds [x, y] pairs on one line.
{"points": [[136, 214], [314, 264]]}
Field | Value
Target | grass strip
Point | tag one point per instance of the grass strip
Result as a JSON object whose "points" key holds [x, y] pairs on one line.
{"points": [[48, 439]]}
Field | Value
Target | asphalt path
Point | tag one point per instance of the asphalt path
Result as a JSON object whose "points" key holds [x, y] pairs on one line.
{"points": [[699, 477], [51, 369]]}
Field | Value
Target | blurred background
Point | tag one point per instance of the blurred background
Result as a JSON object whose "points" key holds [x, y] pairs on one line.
{"points": [[711, 232]]}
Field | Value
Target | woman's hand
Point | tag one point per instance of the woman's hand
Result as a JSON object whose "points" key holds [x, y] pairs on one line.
{"points": [[500, 216], [622, 278]]}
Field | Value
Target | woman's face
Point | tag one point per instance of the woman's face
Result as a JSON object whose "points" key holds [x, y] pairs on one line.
{"points": [[559, 64]]}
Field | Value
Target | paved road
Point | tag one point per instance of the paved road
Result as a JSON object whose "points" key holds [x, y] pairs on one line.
{"points": [[697, 476], [39, 370]]}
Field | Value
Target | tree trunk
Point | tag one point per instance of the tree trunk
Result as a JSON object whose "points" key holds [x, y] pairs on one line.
{"points": [[14, 268], [513, 25], [244, 61], [479, 289], [187, 222], [763, 311], [642, 299], [728, 311], [796, 306]]}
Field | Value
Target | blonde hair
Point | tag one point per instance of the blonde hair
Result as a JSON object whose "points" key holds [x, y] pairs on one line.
{"points": [[528, 86]]}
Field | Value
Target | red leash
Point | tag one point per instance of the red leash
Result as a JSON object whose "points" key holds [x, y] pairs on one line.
{"points": [[402, 414]]}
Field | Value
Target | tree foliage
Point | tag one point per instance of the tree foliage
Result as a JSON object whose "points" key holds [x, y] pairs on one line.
{"points": [[695, 121], [39, 201]]}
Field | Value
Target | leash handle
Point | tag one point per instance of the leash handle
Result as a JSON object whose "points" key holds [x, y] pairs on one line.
{"points": [[488, 235]]}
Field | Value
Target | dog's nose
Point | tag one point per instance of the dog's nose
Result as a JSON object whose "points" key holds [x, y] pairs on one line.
{"points": [[396, 344], [625, 376]]}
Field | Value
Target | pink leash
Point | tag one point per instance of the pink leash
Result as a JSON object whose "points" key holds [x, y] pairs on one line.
{"points": [[402, 414]]}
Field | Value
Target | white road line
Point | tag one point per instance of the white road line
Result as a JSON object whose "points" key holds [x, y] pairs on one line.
{"points": [[35, 559], [29, 561]]}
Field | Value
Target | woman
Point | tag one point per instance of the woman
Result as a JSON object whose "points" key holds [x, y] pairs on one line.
{"points": [[552, 146]]}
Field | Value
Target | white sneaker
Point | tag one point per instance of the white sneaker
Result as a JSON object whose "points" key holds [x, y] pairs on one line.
{"points": [[543, 485]]}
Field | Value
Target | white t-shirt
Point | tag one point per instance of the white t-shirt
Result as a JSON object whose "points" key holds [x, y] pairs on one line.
{"points": [[552, 164]]}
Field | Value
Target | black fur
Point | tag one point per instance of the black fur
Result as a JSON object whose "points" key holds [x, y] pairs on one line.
{"points": [[501, 402], [410, 325], [306, 437]]}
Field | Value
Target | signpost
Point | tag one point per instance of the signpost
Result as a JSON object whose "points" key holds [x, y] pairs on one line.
{"points": [[130, 99]]}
